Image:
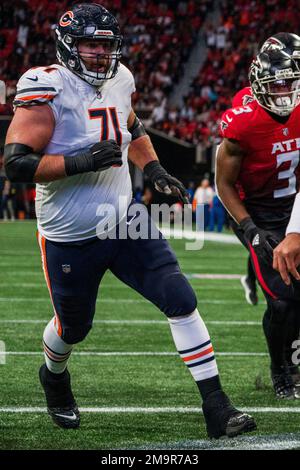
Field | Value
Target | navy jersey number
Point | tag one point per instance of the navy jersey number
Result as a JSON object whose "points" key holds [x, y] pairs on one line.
{"points": [[105, 114]]}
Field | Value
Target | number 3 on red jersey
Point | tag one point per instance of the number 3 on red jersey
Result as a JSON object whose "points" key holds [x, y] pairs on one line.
{"points": [[293, 158]]}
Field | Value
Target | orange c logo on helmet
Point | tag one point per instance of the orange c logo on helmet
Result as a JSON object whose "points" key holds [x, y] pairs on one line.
{"points": [[66, 18]]}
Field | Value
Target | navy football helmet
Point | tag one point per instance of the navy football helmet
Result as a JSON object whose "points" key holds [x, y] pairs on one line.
{"points": [[90, 22], [275, 81]]}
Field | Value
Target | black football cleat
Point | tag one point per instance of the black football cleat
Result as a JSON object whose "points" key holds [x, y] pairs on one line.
{"points": [[250, 290], [283, 385], [222, 419], [61, 405], [296, 382], [295, 374]]}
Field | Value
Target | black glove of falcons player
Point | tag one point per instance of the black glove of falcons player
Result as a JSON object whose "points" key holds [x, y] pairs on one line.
{"points": [[165, 183], [262, 242], [99, 157]]}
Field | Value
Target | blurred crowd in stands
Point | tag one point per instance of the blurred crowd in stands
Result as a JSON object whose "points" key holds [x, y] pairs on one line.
{"points": [[231, 45], [159, 35]]}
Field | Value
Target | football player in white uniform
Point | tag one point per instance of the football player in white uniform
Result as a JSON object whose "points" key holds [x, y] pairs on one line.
{"points": [[72, 134]]}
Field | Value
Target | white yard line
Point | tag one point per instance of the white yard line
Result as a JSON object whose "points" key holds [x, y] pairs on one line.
{"points": [[123, 301], [139, 322], [42, 285], [194, 235], [245, 442], [135, 409], [133, 353], [201, 276], [214, 276]]}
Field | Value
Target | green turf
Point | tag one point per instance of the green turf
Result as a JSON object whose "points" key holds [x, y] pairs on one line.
{"points": [[128, 381]]}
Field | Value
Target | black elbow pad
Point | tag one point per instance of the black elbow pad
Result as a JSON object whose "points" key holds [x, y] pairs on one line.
{"points": [[137, 129], [20, 163]]}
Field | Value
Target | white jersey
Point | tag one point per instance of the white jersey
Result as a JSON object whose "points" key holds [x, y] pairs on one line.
{"points": [[66, 209]]}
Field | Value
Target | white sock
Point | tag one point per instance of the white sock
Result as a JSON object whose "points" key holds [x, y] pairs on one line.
{"points": [[56, 351], [193, 343]]}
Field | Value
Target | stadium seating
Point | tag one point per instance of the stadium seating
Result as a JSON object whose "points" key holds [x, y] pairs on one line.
{"points": [[159, 37], [231, 46]]}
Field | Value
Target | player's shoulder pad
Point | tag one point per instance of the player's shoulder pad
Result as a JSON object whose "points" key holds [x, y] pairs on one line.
{"points": [[125, 75], [38, 85], [235, 120], [243, 97]]}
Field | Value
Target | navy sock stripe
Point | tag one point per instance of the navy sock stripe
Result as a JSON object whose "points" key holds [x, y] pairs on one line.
{"points": [[194, 349], [201, 362], [55, 360], [56, 353], [58, 359]]}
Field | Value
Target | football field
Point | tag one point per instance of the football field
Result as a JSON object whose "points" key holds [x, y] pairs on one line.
{"points": [[132, 387]]}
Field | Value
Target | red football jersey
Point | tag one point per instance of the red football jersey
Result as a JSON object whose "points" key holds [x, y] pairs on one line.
{"points": [[242, 97], [270, 170]]}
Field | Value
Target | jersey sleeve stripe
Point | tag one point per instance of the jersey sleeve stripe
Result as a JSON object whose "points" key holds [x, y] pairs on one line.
{"points": [[30, 90], [32, 97]]}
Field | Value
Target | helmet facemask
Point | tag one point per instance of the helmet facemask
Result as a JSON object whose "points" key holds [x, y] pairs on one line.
{"points": [[279, 94], [92, 67], [275, 81], [98, 67]]}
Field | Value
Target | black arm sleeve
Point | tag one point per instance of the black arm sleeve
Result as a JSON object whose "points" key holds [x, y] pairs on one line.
{"points": [[20, 163], [137, 129]]}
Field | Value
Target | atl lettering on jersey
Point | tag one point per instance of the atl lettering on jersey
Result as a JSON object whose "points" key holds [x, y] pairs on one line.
{"points": [[270, 171]]}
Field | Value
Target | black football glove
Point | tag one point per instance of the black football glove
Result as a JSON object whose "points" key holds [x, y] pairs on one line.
{"points": [[165, 183], [99, 157], [262, 241]]}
